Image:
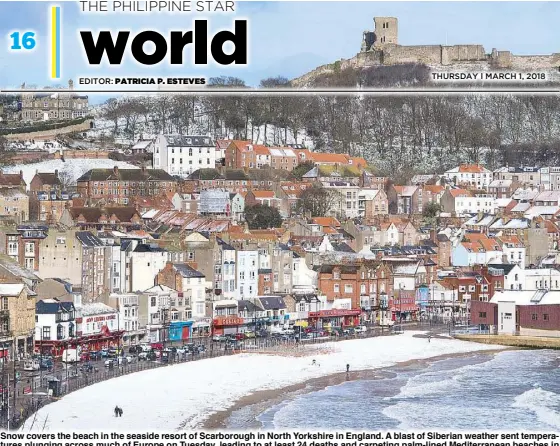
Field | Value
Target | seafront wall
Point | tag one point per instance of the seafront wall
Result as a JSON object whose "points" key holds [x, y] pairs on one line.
{"points": [[513, 341]]}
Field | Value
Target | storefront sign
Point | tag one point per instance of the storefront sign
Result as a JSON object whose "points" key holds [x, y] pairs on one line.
{"points": [[228, 320], [100, 318], [335, 313]]}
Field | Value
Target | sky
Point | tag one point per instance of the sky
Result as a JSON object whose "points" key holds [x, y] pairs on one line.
{"points": [[285, 38]]}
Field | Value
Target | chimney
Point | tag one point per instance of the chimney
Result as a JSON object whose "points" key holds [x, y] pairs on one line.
{"points": [[21, 174], [36, 171], [143, 168], [116, 170], [56, 173]]}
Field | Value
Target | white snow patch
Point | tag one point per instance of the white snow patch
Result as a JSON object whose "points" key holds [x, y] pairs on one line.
{"points": [[182, 396]]}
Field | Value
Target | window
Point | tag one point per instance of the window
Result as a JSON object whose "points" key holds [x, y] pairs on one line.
{"points": [[348, 289], [336, 275], [534, 317], [482, 314], [471, 288], [336, 288], [5, 305], [46, 332], [30, 248], [153, 301], [545, 317]]}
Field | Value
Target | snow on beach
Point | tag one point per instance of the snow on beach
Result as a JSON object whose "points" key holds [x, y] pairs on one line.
{"points": [[183, 396], [74, 167]]}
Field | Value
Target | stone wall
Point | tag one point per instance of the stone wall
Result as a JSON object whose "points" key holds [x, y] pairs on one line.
{"points": [[49, 134], [427, 54], [462, 53]]}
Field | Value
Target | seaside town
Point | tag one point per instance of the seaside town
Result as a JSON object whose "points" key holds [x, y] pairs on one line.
{"points": [[184, 243]]}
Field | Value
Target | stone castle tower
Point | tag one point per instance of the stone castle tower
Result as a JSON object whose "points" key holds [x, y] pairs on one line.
{"points": [[386, 33]]}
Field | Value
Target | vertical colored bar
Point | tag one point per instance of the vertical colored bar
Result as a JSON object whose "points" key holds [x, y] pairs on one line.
{"points": [[55, 42]]}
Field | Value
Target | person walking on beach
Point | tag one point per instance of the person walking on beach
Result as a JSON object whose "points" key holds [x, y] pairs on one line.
{"points": [[429, 338], [347, 368], [120, 412], [116, 411]]}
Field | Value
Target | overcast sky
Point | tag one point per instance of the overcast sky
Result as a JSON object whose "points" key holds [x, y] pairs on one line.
{"points": [[286, 38]]}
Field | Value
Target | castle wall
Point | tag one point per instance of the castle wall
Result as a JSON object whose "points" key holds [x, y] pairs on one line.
{"points": [[462, 53], [368, 59], [535, 62], [427, 54]]}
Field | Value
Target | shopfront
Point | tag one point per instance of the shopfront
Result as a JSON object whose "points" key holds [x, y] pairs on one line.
{"points": [[201, 328], [329, 319], [405, 308], [224, 325], [180, 331]]}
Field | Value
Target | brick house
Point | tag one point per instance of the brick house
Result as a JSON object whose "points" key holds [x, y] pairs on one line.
{"points": [[118, 185], [241, 154]]}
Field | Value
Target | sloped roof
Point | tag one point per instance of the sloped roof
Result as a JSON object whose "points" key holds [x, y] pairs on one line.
{"points": [[48, 178], [186, 141], [272, 302], [116, 174], [53, 307], [187, 271], [88, 239]]}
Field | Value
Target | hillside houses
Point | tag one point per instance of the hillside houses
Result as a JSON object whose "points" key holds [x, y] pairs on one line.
{"points": [[173, 241]]}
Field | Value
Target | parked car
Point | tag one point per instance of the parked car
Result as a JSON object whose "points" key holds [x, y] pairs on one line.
{"points": [[249, 334], [361, 329], [219, 338]]}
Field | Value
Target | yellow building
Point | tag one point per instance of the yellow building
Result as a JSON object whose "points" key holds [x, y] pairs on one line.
{"points": [[17, 320]]}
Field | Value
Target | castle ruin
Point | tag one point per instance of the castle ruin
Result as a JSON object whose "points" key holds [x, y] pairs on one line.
{"points": [[381, 47]]}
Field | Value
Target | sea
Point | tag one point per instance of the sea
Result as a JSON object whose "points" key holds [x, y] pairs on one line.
{"points": [[510, 390]]}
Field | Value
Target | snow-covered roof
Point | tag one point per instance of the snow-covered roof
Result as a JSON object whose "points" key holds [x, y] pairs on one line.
{"points": [[521, 207], [542, 210], [527, 297], [73, 167], [151, 213], [96, 308], [11, 289]]}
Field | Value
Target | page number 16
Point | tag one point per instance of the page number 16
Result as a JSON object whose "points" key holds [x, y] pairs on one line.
{"points": [[26, 42]]}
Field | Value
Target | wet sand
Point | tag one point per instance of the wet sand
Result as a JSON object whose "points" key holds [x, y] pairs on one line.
{"points": [[256, 403]]}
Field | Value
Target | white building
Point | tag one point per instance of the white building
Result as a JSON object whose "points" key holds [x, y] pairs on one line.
{"points": [[473, 175], [347, 202], [247, 274], [541, 278], [97, 318], [144, 264], [228, 283], [155, 311], [127, 306], [54, 321], [302, 275], [182, 155]]}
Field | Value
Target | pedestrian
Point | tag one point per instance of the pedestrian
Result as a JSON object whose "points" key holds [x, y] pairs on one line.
{"points": [[429, 338], [120, 412], [116, 411], [347, 368]]}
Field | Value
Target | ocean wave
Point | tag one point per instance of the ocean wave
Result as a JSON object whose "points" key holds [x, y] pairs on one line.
{"points": [[543, 403]]}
